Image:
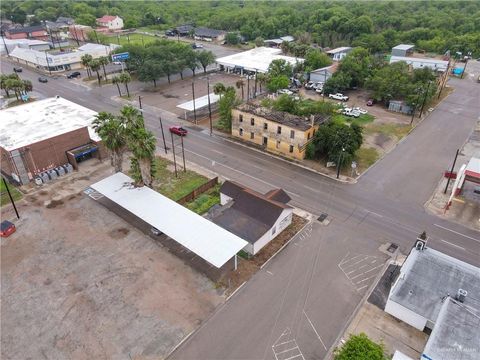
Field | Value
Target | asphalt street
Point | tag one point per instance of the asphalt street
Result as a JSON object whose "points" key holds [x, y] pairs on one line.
{"points": [[309, 298]]}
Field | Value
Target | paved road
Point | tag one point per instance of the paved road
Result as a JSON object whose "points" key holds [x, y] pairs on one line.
{"points": [[385, 206]]}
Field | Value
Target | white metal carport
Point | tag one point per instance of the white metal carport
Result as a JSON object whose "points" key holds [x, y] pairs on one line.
{"points": [[199, 235], [198, 103]]}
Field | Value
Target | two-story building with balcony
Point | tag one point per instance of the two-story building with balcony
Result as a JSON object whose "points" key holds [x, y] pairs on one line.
{"points": [[278, 132]]}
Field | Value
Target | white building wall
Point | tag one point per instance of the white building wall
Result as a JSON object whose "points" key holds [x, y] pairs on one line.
{"points": [[224, 199], [406, 315], [282, 222]]}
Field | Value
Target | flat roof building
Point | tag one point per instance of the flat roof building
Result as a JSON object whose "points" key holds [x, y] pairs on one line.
{"points": [[255, 60], [402, 50], [206, 34], [420, 63], [338, 54], [37, 136], [440, 293]]}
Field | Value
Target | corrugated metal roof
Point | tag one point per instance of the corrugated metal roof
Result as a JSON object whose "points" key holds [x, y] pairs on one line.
{"points": [[201, 236]]}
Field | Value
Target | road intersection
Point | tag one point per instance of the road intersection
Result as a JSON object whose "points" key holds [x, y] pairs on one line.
{"points": [[308, 293]]}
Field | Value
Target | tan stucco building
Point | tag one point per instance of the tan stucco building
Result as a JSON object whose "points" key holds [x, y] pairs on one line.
{"points": [[276, 131]]}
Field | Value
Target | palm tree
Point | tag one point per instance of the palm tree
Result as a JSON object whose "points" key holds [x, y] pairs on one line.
{"points": [[219, 89], [86, 59], [116, 81], [114, 136], [142, 144], [95, 66], [125, 78], [131, 117], [16, 85], [3, 83], [262, 79], [240, 84], [103, 60]]}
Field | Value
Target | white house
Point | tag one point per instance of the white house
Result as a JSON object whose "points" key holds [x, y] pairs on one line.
{"points": [[419, 63], [110, 22], [323, 74], [339, 53], [255, 217]]}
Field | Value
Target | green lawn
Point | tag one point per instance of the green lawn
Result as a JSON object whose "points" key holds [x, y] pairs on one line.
{"points": [[205, 201], [361, 120], [366, 157], [4, 199], [397, 130], [175, 188], [135, 39]]}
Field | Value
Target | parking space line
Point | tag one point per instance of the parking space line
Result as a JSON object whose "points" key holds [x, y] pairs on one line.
{"points": [[358, 262], [344, 262], [293, 357], [371, 277], [315, 330], [361, 288]]}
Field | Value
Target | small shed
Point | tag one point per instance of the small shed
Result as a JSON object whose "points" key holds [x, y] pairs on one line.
{"points": [[323, 74], [402, 50], [399, 106], [199, 106]]}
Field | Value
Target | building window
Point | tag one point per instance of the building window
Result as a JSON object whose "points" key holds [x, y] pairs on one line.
{"points": [[252, 135], [292, 134], [278, 144], [240, 118], [279, 130], [240, 131], [252, 121], [265, 126], [291, 149]]}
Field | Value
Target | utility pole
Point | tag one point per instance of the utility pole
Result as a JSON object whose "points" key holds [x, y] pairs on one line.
{"points": [[444, 81], [451, 171], [463, 72], [11, 198], [140, 102], [183, 156], [339, 162], [194, 110], [248, 88], [6, 48], [163, 135], [424, 99], [48, 65], [174, 158], [209, 106]]}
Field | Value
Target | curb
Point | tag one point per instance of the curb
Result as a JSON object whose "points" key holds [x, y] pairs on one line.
{"points": [[285, 245], [216, 133]]}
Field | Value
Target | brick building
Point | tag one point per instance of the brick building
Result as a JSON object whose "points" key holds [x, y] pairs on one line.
{"points": [[275, 131], [29, 32], [39, 136]]}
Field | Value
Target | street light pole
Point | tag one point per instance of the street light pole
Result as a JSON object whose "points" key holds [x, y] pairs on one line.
{"points": [[424, 99], [463, 72], [11, 198], [339, 162], [209, 106], [163, 134]]}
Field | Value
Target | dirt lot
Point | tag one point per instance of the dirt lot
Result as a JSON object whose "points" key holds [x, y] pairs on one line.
{"points": [[168, 96], [80, 283]]}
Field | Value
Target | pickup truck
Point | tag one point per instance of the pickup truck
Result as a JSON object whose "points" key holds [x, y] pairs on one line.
{"points": [[338, 96]]}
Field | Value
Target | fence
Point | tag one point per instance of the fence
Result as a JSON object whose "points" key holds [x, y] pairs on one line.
{"points": [[198, 191]]}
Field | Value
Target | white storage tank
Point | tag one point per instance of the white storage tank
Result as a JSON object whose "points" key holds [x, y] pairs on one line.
{"points": [[38, 181], [53, 175], [44, 176], [68, 167], [60, 171]]}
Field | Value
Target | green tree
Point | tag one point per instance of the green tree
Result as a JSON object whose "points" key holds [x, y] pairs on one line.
{"points": [[125, 78], [103, 60], [338, 82], [225, 105], [142, 143], [360, 347], [114, 137], [262, 80], [131, 117], [240, 84], [219, 89], [86, 59], [190, 59], [14, 84], [357, 65], [116, 81], [391, 81], [85, 19], [232, 38], [280, 67], [259, 41], [276, 83], [205, 58], [27, 85], [286, 103], [150, 71], [315, 59], [95, 66]]}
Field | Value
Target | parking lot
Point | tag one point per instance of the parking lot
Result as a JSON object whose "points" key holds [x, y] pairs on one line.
{"points": [[80, 283]]}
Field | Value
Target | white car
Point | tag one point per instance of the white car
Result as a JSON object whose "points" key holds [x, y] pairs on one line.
{"points": [[338, 96], [117, 63], [351, 113], [285, 91], [310, 85], [360, 110], [319, 90]]}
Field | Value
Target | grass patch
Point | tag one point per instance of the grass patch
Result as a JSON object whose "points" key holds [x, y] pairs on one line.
{"points": [[4, 199], [396, 130], [362, 120], [205, 201], [243, 254], [175, 188], [135, 39], [366, 157], [19, 102]]}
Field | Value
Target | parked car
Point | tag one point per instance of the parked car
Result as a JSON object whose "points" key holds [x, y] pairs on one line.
{"points": [[309, 85], [318, 85], [360, 110], [17, 69], [43, 79], [293, 89], [178, 130], [351, 113], [170, 33], [7, 228], [197, 46], [370, 102], [74, 75], [338, 96], [285, 91]]}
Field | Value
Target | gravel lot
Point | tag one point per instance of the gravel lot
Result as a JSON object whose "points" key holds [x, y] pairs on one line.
{"points": [[80, 283]]}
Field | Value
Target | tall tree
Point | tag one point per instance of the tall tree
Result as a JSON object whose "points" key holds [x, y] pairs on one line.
{"points": [[116, 81], [225, 106], [240, 84], [142, 143], [125, 78], [360, 347], [103, 60], [219, 89], [95, 66], [86, 59], [150, 71], [280, 67], [205, 58]]}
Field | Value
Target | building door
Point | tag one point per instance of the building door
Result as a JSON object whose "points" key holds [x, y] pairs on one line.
{"points": [[265, 141]]}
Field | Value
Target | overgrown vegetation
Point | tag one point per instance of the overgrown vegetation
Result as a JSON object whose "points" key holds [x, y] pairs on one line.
{"points": [[228, 100], [13, 83], [360, 347], [205, 201], [434, 26], [4, 198]]}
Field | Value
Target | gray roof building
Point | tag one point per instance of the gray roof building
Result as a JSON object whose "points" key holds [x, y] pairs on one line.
{"points": [[402, 50], [208, 33]]}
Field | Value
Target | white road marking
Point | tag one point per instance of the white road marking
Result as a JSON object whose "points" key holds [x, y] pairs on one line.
{"points": [[315, 330], [449, 243], [361, 288], [456, 232], [371, 277], [270, 273], [374, 213]]}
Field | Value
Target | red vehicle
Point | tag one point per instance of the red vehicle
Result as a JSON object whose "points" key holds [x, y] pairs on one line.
{"points": [[178, 130], [7, 228]]}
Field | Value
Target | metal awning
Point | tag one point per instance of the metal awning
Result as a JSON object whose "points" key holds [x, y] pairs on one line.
{"points": [[199, 235], [200, 102]]}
